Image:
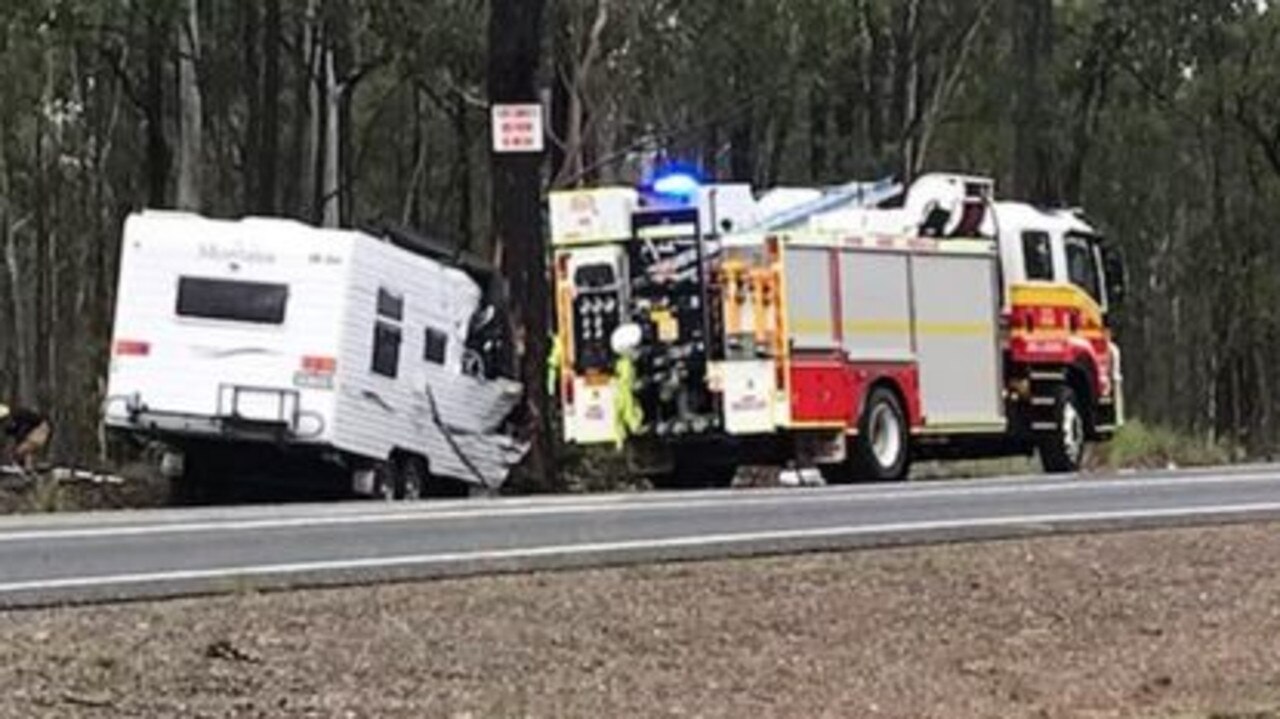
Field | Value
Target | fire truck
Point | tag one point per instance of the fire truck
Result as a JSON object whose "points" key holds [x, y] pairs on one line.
{"points": [[853, 329]]}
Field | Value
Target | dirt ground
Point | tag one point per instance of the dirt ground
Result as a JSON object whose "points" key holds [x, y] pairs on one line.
{"points": [[1164, 624]]}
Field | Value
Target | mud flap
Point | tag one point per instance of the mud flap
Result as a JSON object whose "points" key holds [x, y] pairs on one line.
{"points": [[594, 410], [748, 396]]}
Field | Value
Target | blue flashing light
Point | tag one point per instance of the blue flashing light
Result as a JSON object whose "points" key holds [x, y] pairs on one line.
{"points": [[677, 185]]}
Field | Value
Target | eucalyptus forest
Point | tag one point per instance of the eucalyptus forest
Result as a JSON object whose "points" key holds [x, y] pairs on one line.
{"points": [[1160, 119]]}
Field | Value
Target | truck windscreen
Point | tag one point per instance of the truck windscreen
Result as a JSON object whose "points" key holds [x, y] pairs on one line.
{"points": [[235, 301]]}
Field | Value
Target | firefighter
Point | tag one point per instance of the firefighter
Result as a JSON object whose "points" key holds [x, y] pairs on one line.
{"points": [[30, 432]]}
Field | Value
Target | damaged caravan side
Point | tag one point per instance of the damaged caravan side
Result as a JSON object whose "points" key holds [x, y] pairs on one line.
{"points": [[257, 345]]}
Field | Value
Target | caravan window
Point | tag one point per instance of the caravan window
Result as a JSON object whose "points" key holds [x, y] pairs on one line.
{"points": [[386, 350], [236, 301], [437, 345], [390, 305]]}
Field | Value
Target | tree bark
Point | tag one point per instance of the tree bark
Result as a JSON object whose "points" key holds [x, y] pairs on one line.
{"points": [[1034, 172], [313, 135], [269, 159], [331, 174], [909, 87], [515, 33], [574, 168], [191, 142], [250, 28], [158, 157], [462, 174]]}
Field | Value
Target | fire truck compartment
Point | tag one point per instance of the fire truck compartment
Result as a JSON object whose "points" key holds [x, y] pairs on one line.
{"points": [[937, 309]]}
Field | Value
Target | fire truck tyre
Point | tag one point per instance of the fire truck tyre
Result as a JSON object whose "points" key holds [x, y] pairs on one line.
{"points": [[411, 478], [1062, 451], [713, 476], [881, 451], [692, 473]]}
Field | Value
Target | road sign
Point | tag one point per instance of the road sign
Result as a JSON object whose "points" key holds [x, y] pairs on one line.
{"points": [[518, 128]]}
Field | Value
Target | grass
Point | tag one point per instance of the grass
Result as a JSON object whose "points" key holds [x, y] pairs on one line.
{"points": [[47, 497], [589, 470], [1139, 445]]}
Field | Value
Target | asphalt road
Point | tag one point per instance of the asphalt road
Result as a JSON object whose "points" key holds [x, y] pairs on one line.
{"points": [[131, 555]]}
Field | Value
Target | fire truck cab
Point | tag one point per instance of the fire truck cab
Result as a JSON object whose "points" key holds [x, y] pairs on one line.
{"points": [[853, 328]]}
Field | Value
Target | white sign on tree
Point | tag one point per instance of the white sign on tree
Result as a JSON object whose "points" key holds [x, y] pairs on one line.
{"points": [[518, 128]]}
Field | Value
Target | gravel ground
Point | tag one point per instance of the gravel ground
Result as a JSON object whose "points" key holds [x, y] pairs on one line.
{"points": [[1176, 623]]}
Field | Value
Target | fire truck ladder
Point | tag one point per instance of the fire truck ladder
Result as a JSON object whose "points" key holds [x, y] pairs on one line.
{"points": [[852, 195]]}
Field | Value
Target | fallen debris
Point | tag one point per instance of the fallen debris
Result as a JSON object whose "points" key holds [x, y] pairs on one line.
{"points": [[225, 650]]}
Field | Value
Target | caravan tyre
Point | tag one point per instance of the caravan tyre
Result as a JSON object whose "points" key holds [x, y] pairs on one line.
{"points": [[413, 478], [384, 482], [192, 485]]}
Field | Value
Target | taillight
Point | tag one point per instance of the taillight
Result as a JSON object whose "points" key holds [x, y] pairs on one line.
{"points": [[132, 348], [312, 364]]}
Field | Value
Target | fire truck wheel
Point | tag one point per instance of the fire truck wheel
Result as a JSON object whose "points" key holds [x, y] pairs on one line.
{"points": [[1062, 451], [881, 450], [715, 476], [692, 473]]}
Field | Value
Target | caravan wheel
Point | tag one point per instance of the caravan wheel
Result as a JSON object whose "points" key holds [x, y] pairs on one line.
{"points": [[413, 476], [384, 481]]}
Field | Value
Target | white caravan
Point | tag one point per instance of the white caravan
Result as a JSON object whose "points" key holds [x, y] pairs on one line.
{"points": [[268, 339]]}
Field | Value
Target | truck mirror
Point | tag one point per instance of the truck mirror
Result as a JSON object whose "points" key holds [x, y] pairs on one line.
{"points": [[626, 339]]}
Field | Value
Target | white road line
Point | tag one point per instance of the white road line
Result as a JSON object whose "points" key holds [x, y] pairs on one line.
{"points": [[725, 500], [604, 548], [21, 527]]}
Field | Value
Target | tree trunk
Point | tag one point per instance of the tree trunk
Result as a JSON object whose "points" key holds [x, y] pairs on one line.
{"points": [[21, 318], [462, 174], [158, 158], [250, 28], [331, 175], [191, 142], [515, 32], [268, 161], [300, 194], [877, 68], [1034, 172], [312, 144], [742, 151], [41, 329], [818, 134], [574, 170], [909, 87], [562, 50]]}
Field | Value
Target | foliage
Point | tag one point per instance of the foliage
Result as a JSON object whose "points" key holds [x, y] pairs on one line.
{"points": [[1143, 446], [1163, 119]]}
